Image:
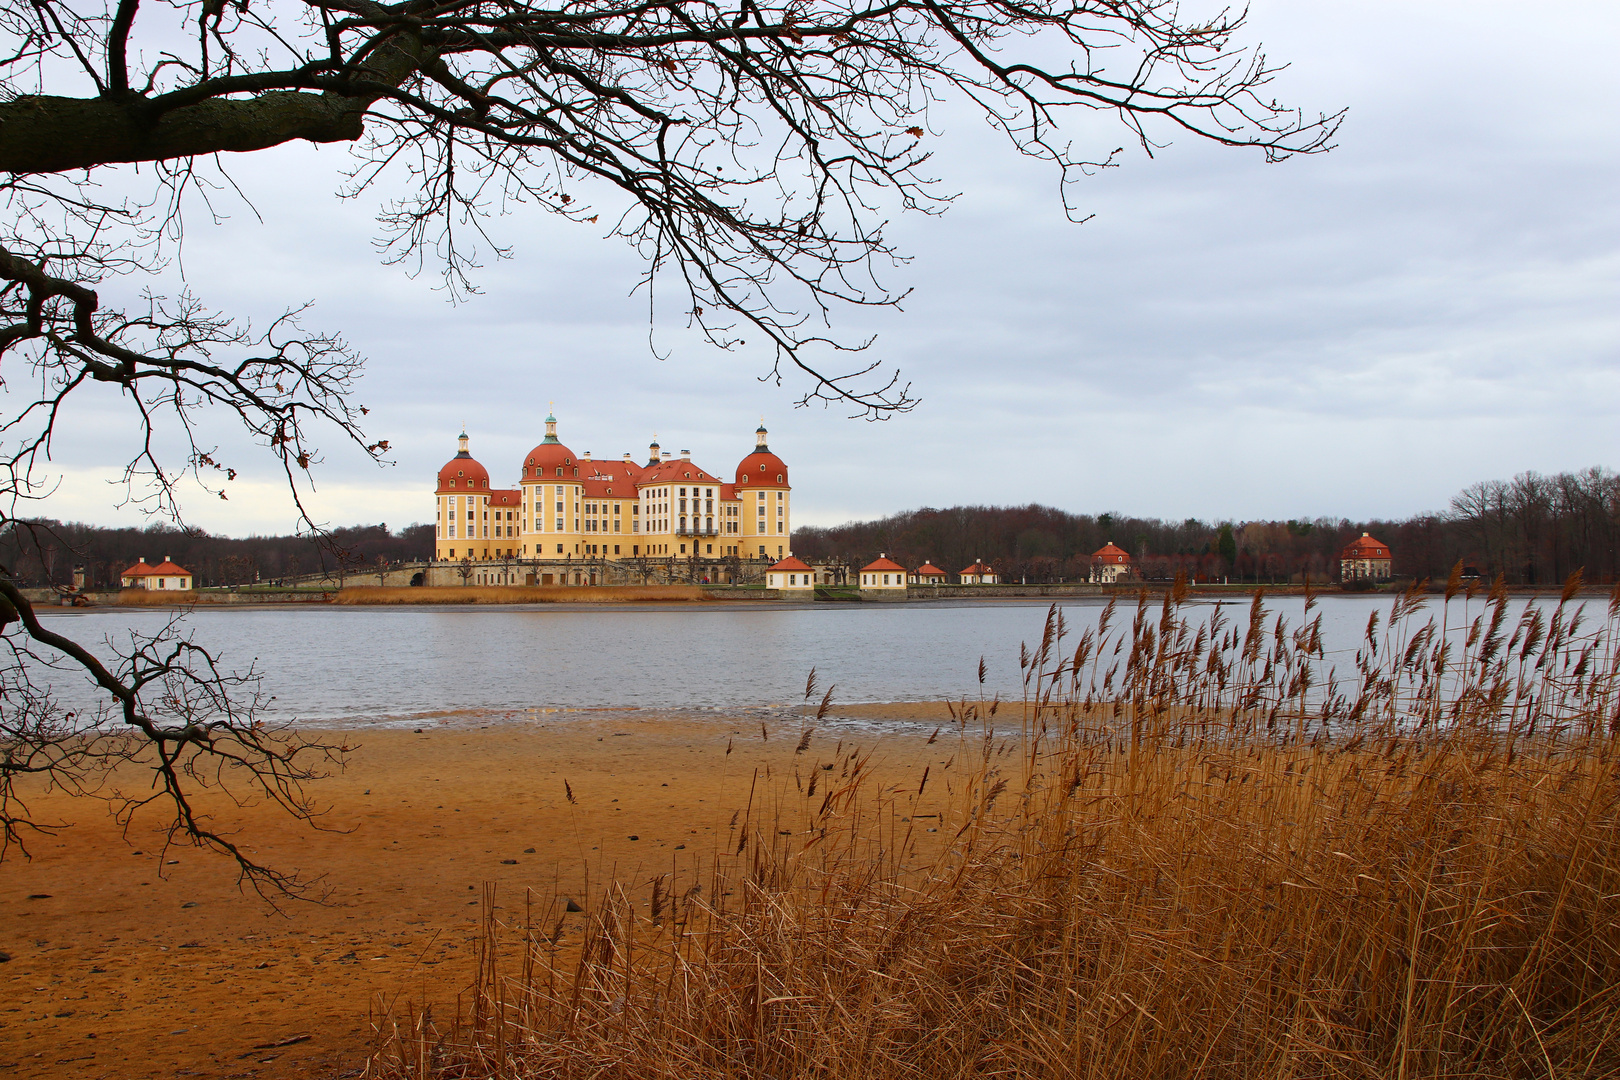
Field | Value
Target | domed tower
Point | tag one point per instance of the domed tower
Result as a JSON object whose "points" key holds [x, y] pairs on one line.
{"points": [[551, 498], [766, 514], [461, 497]]}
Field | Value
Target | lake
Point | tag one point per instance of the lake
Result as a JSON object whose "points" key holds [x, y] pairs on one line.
{"points": [[397, 665]]}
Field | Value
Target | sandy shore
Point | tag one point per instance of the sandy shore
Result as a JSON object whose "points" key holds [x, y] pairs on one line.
{"points": [[126, 963]]}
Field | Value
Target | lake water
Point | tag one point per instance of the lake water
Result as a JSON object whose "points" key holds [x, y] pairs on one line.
{"points": [[369, 665]]}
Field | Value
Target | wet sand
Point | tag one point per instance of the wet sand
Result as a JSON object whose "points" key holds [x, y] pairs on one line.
{"points": [[129, 962]]}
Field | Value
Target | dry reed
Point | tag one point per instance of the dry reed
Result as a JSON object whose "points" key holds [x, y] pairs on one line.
{"points": [[156, 597], [1198, 852], [521, 594]]}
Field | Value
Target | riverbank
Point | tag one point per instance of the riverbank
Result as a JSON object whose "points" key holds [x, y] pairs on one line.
{"points": [[128, 961], [487, 595]]}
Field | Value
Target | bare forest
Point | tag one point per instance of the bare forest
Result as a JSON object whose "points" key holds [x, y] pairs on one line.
{"points": [[1531, 530], [49, 554]]}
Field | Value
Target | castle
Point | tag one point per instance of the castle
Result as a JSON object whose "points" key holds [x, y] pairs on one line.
{"points": [[570, 516]]}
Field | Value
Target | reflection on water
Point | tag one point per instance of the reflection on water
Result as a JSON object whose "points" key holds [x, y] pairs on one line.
{"points": [[358, 664]]}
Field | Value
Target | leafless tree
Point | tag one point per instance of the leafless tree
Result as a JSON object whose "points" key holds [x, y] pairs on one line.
{"points": [[748, 151], [238, 569], [167, 706]]}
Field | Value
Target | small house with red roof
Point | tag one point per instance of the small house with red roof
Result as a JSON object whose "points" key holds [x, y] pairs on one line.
{"points": [[1109, 564], [165, 575], [1365, 559], [883, 574], [790, 575], [929, 574], [979, 574]]}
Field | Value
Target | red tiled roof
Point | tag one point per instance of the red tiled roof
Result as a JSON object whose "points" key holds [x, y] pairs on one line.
{"points": [[505, 497], [675, 471], [977, 568], [1365, 547], [883, 564], [610, 479], [1109, 553], [790, 563], [928, 569], [543, 461], [466, 472], [169, 569], [140, 569], [762, 469]]}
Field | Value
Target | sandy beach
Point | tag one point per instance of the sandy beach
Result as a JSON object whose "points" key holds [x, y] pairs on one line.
{"points": [[131, 962]]}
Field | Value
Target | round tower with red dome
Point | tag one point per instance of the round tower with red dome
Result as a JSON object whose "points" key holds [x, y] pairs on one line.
{"points": [[474, 521], [462, 494], [767, 512], [551, 487]]}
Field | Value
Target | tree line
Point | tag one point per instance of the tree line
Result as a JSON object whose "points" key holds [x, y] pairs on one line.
{"points": [[45, 553], [1531, 530]]}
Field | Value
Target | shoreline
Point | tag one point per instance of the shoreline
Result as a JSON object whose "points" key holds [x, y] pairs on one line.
{"points": [[133, 960], [630, 597]]}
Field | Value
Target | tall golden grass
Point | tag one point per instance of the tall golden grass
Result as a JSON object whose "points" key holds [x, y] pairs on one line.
{"points": [[1190, 851], [156, 597], [520, 594]]}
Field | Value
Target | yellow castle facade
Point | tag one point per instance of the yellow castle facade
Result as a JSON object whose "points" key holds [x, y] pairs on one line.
{"points": [[570, 508]]}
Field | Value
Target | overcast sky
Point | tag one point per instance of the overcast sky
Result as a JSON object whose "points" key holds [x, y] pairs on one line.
{"points": [[1361, 333]]}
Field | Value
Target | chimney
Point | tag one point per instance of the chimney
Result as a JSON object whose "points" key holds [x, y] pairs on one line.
{"points": [[587, 456], [666, 455], [686, 455], [627, 460]]}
